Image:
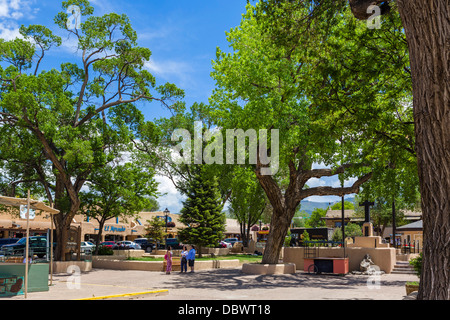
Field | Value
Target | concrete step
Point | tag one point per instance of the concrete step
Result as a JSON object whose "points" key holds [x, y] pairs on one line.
{"points": [[403, 271], [403, 268]]}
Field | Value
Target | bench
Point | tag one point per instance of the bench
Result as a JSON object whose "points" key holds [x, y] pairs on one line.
{"points": [[176, 264], [14, 260]]}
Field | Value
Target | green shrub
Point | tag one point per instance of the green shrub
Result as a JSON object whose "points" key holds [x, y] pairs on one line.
{"points": [[417, 264], [105, 251]]}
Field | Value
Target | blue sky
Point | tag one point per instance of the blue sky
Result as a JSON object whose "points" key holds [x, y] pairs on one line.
{"points": [[182, 35]]}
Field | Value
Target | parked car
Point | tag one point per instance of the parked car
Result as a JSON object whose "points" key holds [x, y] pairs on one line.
{"points": [[145, 244], [232, 241], [126, 245], [223, 244], [173, 243], [87, 246], [108, 244], [8, 241], [37, 245]]}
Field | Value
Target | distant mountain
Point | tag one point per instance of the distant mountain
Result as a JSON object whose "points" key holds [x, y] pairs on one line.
{"points": [[309, 206]]}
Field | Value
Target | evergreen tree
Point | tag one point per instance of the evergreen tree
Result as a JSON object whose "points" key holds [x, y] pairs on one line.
{"points": [[202, 212]]}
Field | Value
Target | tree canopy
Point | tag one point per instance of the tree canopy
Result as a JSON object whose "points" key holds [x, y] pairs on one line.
{"points": [[59, 126], [316, 84]]}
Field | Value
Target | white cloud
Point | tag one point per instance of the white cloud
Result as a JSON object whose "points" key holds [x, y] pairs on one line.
{"points": [[315, 182], [10, 12], [320, 165], [171, 199], [15, 9], [9, 31], [177, 72]]}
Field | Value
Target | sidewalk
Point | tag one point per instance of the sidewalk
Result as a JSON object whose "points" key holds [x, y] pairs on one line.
{"points": [[221, 284]]}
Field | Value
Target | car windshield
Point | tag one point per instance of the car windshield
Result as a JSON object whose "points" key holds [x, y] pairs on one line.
{"points": [[22, 241]]}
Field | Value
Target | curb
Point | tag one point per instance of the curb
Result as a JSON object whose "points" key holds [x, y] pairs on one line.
{"points": [[156, 292]]}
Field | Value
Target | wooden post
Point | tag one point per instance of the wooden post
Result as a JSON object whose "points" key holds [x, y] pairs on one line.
{"points": [[27, 244]]}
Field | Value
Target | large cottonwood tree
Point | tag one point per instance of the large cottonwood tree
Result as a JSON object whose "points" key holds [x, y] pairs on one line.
{"points": [[299, 85], [427, 28], [72, 120]]}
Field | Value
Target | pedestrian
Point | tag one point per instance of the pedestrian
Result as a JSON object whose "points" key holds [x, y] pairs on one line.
{"points": [[184, 253], [191, 258], [168, 258]]}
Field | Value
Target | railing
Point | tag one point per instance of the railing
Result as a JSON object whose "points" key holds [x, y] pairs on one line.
{"points": [[39, 255], [17, 255], [321, 243], [312, 247], [408, 247]]}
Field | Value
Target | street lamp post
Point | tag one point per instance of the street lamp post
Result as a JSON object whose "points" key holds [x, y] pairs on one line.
{"points": [[166, 215]]}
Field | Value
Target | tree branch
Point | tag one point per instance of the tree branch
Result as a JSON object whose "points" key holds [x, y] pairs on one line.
{"points": [[330, 191]]}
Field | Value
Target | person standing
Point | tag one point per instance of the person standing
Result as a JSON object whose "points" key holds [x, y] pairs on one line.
{"points": [[191, 258], [184, 262], [168, 258]]}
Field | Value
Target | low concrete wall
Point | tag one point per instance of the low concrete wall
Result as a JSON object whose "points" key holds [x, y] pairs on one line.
{"points": [[63, 266], [257, 268], [368, 242], [129, 253], [383, 257], [121, 264], [216, 251], [158, 265]]}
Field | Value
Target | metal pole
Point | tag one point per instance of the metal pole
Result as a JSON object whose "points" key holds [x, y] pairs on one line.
{"points": [[394, 228], [166, 233], [343, 225], [27, 244]]}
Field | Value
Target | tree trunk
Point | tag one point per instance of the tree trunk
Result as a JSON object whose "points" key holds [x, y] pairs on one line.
{"points": [[64, 219], [427, 28], [279, 226], [101, 225]]}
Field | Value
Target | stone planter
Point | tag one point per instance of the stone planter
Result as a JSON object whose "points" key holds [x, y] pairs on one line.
{"points": [[410, 288], [258, 268]]}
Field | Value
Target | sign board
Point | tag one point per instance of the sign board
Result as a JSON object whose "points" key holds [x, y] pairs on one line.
{"points": [[23, 213]]}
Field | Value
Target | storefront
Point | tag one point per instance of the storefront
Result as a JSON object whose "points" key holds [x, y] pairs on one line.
{"points": [[17, 228], [116, 229]]}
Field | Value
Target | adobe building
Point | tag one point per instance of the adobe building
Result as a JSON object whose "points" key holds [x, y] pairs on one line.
{"points": [[116, 229], [11, 226], [412, 233]]}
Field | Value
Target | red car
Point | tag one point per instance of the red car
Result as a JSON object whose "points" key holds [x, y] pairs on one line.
{"points": [[108, 244]]}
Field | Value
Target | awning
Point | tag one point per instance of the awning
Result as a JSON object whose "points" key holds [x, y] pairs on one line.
{"points": [[34, 204]]}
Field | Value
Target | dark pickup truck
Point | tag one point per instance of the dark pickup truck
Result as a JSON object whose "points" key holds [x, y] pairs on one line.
{"points": [[173, 243], [37, 246], [145, 244]]}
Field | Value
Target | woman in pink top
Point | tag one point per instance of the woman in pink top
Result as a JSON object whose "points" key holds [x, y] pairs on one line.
{"points": [[168, 258]]}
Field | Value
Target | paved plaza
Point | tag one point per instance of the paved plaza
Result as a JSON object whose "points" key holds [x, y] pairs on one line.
{"points": [[221, 284]]}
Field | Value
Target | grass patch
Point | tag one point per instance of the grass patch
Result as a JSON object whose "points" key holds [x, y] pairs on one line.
{"points": [[241, 257], [412, 283]]}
